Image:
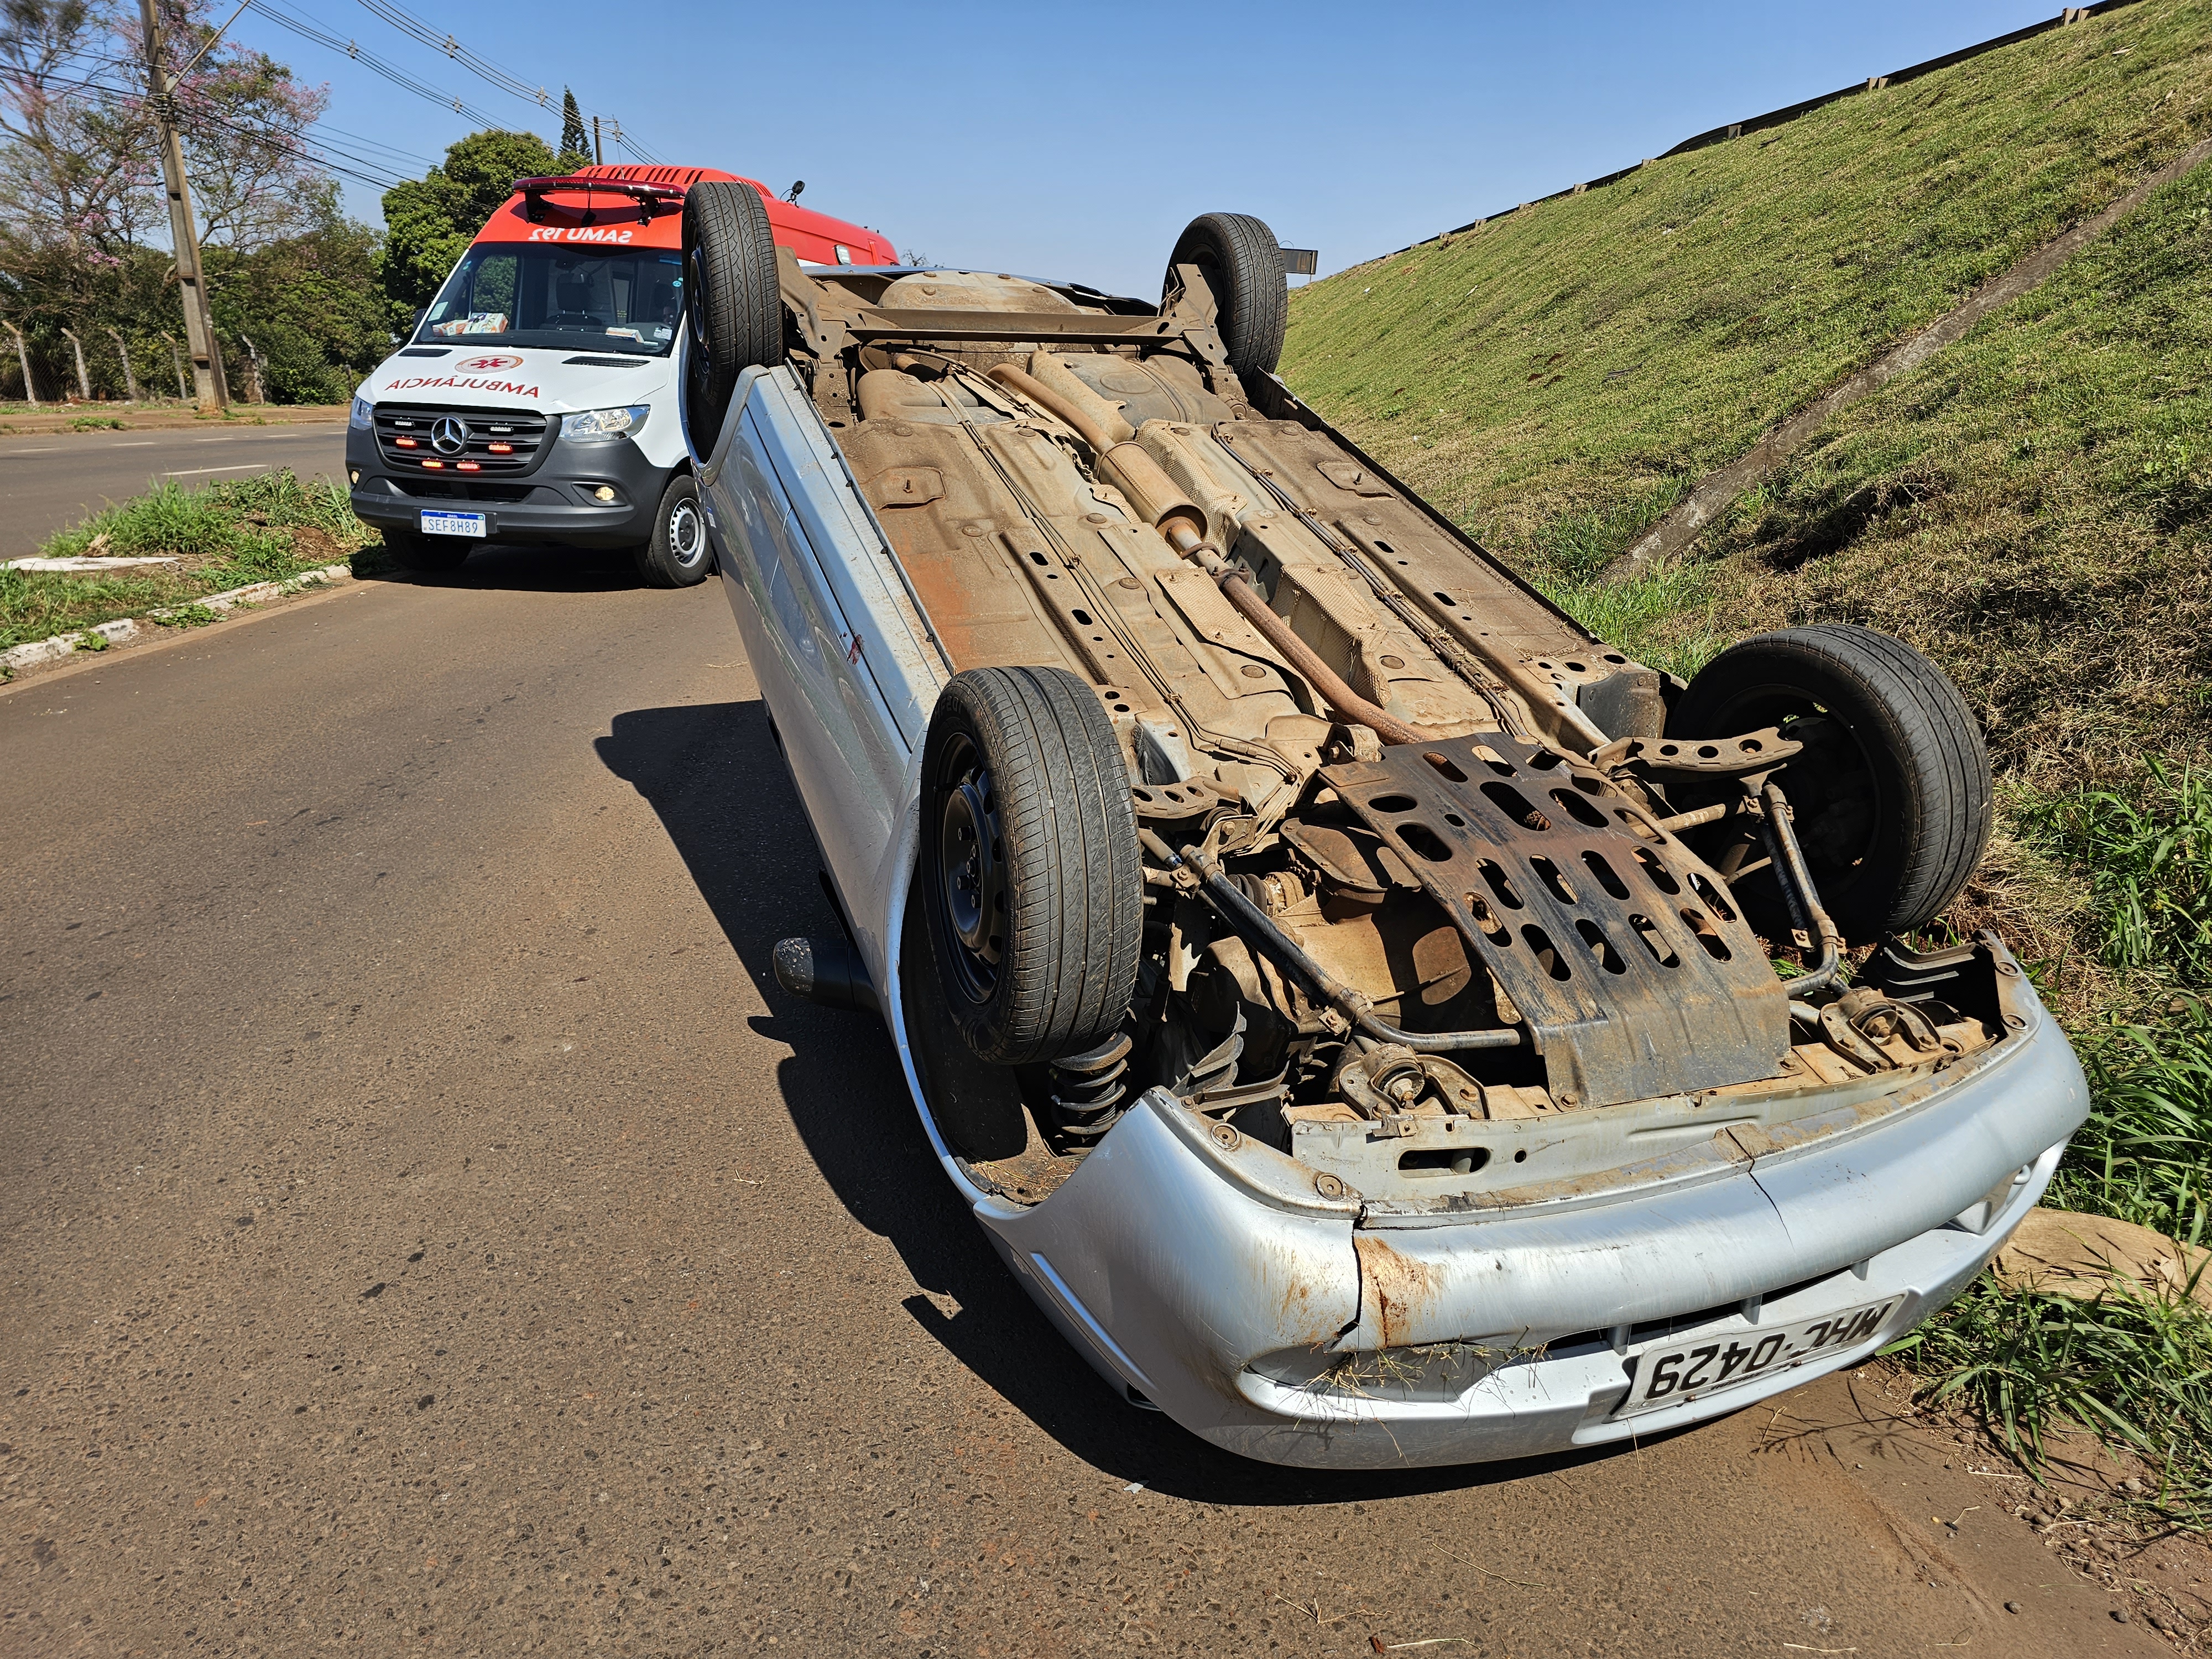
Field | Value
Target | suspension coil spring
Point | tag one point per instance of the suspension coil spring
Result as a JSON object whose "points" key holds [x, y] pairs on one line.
{"points": [[1087, 1088]]}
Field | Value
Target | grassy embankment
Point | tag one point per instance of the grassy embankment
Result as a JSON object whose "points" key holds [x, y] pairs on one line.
{"points": [[223, 535], [2032, 507]]}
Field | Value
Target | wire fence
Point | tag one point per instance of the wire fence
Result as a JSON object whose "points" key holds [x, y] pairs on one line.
{"points": [[103, 364]]}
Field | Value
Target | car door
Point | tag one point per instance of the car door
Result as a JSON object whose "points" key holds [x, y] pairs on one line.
{"points": [[843, 656]]}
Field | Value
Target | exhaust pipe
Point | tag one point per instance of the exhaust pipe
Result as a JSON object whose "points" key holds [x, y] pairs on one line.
{"points": [[1152, 493], [826, 972]]}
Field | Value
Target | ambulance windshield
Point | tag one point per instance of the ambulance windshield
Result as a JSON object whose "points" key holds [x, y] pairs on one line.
{"points": [[521, 293]]}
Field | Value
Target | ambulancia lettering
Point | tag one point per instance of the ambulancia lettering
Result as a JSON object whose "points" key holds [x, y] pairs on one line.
{"points": [[419, 382]]}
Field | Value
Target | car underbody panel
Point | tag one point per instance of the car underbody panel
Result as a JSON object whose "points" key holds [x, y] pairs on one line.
{"points": [[1458, 1080]]}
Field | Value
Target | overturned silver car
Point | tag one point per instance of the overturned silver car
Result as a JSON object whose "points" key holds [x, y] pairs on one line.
{"points": [[1378, 1022]]}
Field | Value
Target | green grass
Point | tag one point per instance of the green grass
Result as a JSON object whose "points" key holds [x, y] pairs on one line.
{"points": [[2032, 507], [2142, 1155], [2147, 855], [1573, 356], [2134, 1369], [224, 535], [2029, 507]]}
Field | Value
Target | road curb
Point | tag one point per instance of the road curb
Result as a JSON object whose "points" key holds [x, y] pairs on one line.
{"points": [[125, 629]]}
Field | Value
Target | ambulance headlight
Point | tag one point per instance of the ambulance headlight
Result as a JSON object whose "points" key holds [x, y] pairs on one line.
{"points": [[363, 415], [596, 425]]}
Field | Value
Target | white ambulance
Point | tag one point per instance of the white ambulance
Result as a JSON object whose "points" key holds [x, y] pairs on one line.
{"points": [[536, 402]]}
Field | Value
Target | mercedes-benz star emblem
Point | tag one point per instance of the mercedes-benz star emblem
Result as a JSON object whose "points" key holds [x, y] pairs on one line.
{"points": [[449, 435]]}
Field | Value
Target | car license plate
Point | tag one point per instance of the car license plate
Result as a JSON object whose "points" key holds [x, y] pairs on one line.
{"points": [[453, 524], [1691, 1369]]}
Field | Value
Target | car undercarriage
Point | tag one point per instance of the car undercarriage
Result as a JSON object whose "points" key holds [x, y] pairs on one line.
{"points": [[1256, 798]]}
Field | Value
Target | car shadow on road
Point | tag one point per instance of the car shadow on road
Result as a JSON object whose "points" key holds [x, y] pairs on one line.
{"points": [[713, 774], [525, 569]]}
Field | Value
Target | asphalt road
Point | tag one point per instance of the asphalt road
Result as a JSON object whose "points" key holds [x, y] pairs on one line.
{"points": [[49, 480], [427, 1230]]}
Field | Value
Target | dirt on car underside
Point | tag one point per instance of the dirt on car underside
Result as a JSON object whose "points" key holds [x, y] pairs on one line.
{"points": [[1084, 483]]}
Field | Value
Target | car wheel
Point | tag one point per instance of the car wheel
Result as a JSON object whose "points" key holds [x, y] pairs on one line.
{"points": [[733, 303], [426, 556], [677, 556], [1032, 881], [1891, 798], [1243, 264]]}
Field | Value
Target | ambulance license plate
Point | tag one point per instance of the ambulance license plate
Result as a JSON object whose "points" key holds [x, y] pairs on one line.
{"points": [[453, 524], [1689, 1371]]}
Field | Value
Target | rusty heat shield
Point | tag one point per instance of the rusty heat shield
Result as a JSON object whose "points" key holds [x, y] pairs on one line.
{"points": [[1633, 967]]}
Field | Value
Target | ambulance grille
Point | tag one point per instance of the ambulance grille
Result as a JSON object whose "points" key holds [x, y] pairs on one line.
{"points": [[486, 442]]}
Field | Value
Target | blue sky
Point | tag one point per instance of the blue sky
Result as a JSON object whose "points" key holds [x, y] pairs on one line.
{"points": [[1074, 142]]}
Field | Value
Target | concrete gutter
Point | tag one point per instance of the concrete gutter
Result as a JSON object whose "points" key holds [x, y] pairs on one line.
{"points": [[126, 629]]}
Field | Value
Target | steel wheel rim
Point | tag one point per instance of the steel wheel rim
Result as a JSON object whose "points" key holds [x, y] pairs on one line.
{"points": [[971, 867], [695, 311], [1779, 706], [687, 533]]}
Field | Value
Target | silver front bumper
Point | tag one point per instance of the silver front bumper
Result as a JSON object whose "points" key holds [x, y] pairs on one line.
{"points": [[1174, 1265]]}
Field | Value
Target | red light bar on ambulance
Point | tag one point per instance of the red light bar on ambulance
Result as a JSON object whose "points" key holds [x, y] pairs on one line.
{"points": [[651, 200]]}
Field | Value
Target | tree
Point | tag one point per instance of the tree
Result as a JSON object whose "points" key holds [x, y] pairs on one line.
{"points": [[84, 231], [245, 124], [74, 166], [78, 163], [574, 140], [310, 304], [429, 222]]}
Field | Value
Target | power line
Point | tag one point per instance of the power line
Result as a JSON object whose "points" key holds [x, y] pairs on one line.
{"points": [[296, 145], [363, 138], [407, 23], [297, 149], [277, 137], [368, 60]]}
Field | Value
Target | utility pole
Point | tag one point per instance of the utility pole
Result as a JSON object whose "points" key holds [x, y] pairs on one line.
{"points": [[598, 154], [129, 380], [23, 356], [199, 332]]}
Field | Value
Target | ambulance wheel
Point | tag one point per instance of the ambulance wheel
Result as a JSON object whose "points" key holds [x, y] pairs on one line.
{"points": [[733, 303], [677, 556], [426, 556]]}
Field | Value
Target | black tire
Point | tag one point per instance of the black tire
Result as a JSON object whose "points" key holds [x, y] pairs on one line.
{"points": [[1243, 264], [1031, 877], [678, 555], [1890, 798], [427, 555], [732, 301]]}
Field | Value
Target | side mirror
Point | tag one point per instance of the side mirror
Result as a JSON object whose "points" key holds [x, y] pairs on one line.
{"points": [[792, 195], [420, 311]]}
